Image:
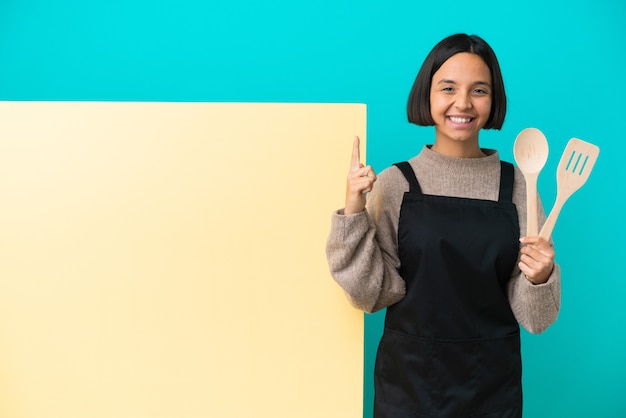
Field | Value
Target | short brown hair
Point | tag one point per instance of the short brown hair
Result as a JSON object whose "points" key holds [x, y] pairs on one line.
{"points": [[418, 107]]}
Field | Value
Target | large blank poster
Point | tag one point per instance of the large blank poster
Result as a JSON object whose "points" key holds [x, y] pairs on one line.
{"points": [[167, 260]]}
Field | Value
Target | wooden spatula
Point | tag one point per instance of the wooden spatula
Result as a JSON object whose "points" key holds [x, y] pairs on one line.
{"points": [[573, 171]]}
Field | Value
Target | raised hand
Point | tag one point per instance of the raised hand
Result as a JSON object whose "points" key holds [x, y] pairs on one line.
{"points": [[360, 181]]}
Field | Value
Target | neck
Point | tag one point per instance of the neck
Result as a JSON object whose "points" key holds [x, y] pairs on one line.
{"points": [[467, 148], [459, 151]]}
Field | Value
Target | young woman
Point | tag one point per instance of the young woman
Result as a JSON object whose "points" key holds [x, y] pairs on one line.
{"points": [[437, 243]]}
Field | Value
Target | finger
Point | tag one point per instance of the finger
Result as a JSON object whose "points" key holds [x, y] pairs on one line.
{"points": [[539, 244], [370, 174], [535, 264], [529, 272], [534, 240], [362, 171], [358, 184], [524, 268], [538, 250], [356, 154], [538, 253], [535, 274], [537, 259]]}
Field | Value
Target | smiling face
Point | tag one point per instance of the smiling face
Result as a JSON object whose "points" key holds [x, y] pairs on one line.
{"points": [[460, 104]]}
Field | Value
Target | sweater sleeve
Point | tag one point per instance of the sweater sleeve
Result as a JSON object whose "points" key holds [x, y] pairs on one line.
{"points": [[362, 249], [535, 307]]}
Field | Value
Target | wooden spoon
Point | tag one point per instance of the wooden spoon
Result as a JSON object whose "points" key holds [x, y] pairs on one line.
{"points": [[531, 153]]}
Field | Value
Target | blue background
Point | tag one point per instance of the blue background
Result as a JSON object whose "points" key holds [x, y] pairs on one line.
{"points": [[563, 64]]}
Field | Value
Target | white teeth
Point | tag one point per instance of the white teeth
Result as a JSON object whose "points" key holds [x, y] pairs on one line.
{"points": [[459, 120]]}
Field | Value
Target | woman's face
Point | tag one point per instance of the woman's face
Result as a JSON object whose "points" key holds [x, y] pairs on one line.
{"points": [[460, 99]]}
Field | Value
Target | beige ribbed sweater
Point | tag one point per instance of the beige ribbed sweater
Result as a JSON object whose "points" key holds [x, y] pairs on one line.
{"points": [[362, 248]]}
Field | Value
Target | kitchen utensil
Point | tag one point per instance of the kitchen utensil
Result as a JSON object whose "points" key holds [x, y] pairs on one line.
{"points": [[531, 153], [573, 171]]}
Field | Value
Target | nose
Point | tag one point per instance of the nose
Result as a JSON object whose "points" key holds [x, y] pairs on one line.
{"points": [[463, 100]]}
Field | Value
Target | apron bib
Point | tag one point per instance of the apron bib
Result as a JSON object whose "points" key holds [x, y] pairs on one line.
{"points": [[451, 347]]}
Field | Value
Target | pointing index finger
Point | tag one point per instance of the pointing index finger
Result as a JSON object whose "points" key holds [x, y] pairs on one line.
{"points": [[356, 155]]}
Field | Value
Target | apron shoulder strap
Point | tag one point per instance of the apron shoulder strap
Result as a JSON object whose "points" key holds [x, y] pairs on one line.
{"points": [[507, 178], [409, 174]]}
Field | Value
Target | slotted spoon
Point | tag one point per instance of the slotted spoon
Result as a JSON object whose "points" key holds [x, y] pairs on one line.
{"points": [[573, 171], [531, 153]]}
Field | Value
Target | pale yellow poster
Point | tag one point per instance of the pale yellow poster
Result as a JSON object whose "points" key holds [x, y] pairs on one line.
{"points": [[167, 260]]}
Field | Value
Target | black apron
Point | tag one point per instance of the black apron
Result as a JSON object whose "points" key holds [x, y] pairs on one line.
{"points": [[451, 347]]}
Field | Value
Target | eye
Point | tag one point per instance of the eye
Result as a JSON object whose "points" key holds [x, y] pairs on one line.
{"points": [[480, 92], [447, 89]]}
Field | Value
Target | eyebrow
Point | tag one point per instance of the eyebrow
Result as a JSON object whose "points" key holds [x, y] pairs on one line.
{"points": [[481, 83]]}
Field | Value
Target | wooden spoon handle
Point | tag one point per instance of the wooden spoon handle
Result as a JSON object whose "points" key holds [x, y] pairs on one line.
{"points": [[532, 229], [532, 217]]}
